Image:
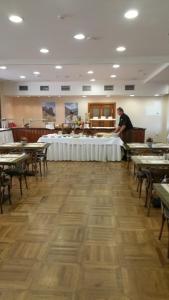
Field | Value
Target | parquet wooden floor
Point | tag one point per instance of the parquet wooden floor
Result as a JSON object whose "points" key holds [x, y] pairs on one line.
{"points": [[81, 233]]}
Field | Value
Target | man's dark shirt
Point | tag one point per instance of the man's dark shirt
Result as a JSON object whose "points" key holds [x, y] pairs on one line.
{"points": [[125, 120]]}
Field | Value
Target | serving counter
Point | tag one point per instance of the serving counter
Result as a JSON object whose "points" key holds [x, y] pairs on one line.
{"points": [[136, 135]]}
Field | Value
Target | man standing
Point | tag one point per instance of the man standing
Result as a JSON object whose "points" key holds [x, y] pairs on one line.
{"points": [[123, 129], [124, 122]]}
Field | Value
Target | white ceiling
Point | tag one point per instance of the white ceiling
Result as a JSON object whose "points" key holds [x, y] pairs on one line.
{"points": [[146, 39]]}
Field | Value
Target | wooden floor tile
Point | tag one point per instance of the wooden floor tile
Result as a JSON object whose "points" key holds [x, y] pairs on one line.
{"points": [[81, 233]]}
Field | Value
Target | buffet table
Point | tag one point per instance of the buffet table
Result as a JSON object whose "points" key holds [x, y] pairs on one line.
{"points": [[81, 148]]}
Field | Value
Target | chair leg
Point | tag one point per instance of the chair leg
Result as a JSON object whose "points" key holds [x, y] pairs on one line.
{"points": [[40, 168], [20, 184], [149, 205], [26, 183], [162, 226], [168, 238], [1, 203], [140, 189], [145, 204], [44, 167], [46, 163], [9, 194]]}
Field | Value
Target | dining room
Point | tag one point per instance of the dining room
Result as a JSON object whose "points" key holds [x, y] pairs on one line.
{"points": [[84, 150]]}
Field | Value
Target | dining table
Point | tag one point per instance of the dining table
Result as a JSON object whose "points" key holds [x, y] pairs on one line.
{"points": [[151, 160], [23, 146], [146, 149], [148, 162], [162, 189], [12, 159]]}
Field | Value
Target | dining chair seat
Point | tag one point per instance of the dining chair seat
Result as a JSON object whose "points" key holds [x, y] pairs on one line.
{"points": [[20, 173], [165, 217]]}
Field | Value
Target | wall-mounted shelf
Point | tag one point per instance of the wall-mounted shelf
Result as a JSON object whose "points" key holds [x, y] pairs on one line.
{"points": [[102, 114]]}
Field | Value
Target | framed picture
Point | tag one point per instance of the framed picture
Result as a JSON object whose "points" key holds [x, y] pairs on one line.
{"points": [[49, 111], [71, 112]]}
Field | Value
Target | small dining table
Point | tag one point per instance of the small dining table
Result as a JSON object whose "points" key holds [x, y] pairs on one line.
{"points": [[25, 147], [153, 160], [145, 149], [163, 192], [141, 161], [32, 149], [12, 159]]}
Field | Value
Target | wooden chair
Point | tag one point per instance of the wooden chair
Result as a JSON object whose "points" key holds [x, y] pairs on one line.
{"points": [[20, 172], [5, 185], [165, 217], [42, 157], [156, 176]]}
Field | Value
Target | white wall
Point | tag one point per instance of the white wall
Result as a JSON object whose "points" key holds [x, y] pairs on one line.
{"points": [[147, 112], [97, 88]]}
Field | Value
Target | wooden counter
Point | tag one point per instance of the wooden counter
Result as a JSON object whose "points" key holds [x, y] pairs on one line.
{"points": [[135, 135]]}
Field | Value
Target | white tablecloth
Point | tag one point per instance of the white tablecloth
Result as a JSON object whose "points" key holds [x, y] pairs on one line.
{"points": [[6, 136], [83, 148]]}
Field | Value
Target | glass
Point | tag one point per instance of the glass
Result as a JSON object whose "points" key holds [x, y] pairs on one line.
{"points": [[107, 112], [95, 112]]}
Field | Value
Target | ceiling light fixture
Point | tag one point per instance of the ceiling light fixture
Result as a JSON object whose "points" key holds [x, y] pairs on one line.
{"points": [[22, 77], [3, 67], [90, 72], [132, 95], [60, 17], [58, 67], [156, 95], [15, 19], [79, 36], [121, 49], [44, 50], [36, 73], [131, 14], [113, 76], [93, 79], [84, 96], [116, 66]]}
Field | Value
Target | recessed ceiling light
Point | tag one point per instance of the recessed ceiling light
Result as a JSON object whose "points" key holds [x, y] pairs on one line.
{"points": [[60, 17], [44, 50], [22, 76], [79, 36], [84, 96], [113, 76], [58, 67], [92, 79], [121, 49], [156, 95], [3, 67], [116, 66], [132, 95], [90, 72], [36, 73], [131, 14], [15, 19]]}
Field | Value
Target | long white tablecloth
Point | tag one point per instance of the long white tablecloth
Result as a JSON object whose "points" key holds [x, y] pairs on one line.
{"points": [[6, 136], [83, 148]]}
